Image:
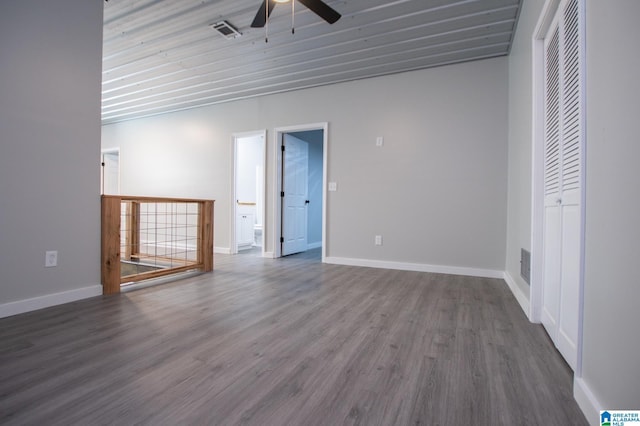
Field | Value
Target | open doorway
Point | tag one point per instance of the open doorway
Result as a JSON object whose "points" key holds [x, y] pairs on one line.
{"points": [[110, 172], [299, 193], [247, 217]]}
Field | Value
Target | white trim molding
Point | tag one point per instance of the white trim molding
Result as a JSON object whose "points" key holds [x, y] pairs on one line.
{"points": [[586, 400], [416, 267], [520, 296], [222, 250], [46, 301]]}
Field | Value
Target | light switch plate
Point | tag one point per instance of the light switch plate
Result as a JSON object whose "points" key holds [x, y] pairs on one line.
{"points": [[51, 258], [379, 141], [333, 186]]}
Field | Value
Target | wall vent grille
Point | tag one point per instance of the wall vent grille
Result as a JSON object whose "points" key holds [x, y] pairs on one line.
{"points": [[525, 265]]}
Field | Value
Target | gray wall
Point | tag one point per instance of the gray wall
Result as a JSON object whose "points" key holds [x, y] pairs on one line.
{"points": [[611, 366], [50, 77], [520, 128], [436, 190]]}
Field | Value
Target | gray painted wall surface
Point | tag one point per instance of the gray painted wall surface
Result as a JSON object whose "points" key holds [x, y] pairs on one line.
{"points": [[611, 365], [50, 77], [520, 128], [436, 190]]}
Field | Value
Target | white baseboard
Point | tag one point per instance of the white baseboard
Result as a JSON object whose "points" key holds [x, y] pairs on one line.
{"points": [[226, 250], [417, 267], [316, 245], [520, 296], [28, 305], [587, 401]]}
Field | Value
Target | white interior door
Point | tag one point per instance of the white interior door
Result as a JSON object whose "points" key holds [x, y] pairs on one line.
{"points": [[563, 164], [552, 208], [295, 170], [552, 268], [569, 315], [110, 173]]}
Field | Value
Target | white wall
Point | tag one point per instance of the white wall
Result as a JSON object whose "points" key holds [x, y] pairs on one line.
{"points": [[50, 76], [249, 157], [436, 190], [520, 161], [611, 365]]}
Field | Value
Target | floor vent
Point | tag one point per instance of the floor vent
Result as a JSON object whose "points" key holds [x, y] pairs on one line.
{"points": [[226, 30], [525, 265]]}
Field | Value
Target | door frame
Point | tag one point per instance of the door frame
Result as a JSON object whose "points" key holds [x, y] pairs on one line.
{"points": [[278, 134], [537, 181], [233, 249], [102, 153]]}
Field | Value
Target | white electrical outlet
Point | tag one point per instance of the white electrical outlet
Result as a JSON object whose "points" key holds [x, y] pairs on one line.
{"points": [[378, 240], [51, 258], [333, 186]]}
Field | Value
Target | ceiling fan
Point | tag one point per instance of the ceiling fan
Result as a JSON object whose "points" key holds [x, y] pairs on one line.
{"points": [[319, 7]]}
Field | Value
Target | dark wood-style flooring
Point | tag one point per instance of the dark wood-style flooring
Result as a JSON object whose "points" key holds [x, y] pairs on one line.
{"points": [[290, 341]]}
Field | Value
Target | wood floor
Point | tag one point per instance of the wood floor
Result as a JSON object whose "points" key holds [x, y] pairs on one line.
{"points": [[287, 342]]}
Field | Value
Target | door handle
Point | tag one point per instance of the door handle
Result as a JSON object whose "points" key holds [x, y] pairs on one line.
{"points": [[306, 201]]}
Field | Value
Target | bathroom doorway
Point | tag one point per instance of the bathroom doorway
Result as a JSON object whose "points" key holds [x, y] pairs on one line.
{"points": [[248, 193]]}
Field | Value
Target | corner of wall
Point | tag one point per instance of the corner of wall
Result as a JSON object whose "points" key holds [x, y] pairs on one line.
{"points": [[521, 297], [586, 400]]}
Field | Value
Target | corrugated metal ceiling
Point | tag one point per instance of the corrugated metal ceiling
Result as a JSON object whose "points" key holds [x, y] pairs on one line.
{"points": [[162, 55]]}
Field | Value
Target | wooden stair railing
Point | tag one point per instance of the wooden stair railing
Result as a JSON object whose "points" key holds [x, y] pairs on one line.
{"points": [[160, 218]]}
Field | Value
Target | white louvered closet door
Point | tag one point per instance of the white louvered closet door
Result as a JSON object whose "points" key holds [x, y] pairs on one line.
{"points": [[563, 166]]}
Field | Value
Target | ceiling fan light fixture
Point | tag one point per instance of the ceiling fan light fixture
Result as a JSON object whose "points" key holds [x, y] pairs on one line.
{"points": [[319, 7]]}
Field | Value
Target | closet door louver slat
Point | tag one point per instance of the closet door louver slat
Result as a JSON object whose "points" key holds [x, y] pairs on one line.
{"points": [[571, 123], [552, 116]]}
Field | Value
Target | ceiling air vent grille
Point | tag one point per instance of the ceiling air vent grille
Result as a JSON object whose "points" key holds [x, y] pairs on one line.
{"points": [[226, 29]]}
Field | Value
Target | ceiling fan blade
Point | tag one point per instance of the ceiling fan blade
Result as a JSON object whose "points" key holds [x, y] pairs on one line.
{"points": [[322, 10], [261, 19]]}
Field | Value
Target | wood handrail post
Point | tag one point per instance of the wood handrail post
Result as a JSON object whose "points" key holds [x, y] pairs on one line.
{"points": [[205, 249], [110, 244]]}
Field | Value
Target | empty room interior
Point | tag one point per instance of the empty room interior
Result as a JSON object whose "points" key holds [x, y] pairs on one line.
{"points": [[407, 212]]}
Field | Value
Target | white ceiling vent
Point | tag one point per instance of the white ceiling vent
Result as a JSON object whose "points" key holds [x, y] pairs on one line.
{"points": [[226, 29]]}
